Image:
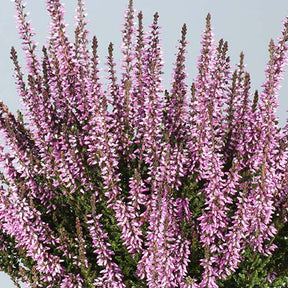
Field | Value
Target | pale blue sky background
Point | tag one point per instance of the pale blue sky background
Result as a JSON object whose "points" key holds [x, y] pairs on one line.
{"points": [[248, 25]]}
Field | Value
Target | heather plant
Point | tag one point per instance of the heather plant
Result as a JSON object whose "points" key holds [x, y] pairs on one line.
{"points": [[118, 182]]}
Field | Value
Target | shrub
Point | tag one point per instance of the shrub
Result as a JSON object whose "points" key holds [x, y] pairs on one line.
{"points": [[131, 185]]}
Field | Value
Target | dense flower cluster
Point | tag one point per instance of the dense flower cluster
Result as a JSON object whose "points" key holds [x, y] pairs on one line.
{"points": [[119, 183]]}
